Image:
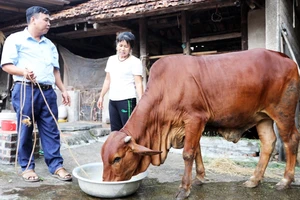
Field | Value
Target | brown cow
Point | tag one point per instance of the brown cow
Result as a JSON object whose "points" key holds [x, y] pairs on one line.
{"points": [[228, 92]]}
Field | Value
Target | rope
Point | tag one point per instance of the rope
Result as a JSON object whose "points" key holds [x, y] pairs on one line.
{"points": [[60, 130], [19, 123], [33, 122], [22, 103], [216, 16], [26, 121]]}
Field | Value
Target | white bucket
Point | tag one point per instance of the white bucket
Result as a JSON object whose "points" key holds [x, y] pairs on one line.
{"points": [[62, 112]]}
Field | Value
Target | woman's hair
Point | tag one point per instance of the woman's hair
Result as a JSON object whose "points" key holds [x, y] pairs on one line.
{"points": [[126, 36], [33, 10]]}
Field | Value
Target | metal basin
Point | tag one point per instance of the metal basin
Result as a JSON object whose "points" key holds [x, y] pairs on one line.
{"points": [[90, 181]]}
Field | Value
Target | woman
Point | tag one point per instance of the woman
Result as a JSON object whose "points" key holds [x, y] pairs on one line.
{"points": [[123, 80]]}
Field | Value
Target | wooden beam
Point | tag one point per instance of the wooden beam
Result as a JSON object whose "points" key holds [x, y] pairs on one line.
{"points": [[143, 47], [175, 23], [60, 1], [194, 53], [14, 9], [116, 25], [163, 16], [53, 2], [259, 3], [77, 44], [45, 3], [216, 37], [163, 40], [244, 25], [186, 45], [100, 19], [90, 32], [56, 24], [169, 24], [204, 53]]}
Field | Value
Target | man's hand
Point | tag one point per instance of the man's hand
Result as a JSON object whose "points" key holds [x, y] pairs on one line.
{"points": [[29, 75], [66, 100]]}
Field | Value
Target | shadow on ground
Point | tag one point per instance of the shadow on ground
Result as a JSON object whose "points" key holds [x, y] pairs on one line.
{"points": [[161, 184], [151, 189]]}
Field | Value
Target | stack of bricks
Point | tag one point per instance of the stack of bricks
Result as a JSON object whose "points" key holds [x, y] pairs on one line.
{"points": [[8, 146]]}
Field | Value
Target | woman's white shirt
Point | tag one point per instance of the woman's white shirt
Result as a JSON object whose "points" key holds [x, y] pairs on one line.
{"points": [[122, 85]]}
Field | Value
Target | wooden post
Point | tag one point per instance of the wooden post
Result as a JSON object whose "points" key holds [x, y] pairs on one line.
{"points": [[244, 25], [7, 105], [143, 47], [186, 45]]}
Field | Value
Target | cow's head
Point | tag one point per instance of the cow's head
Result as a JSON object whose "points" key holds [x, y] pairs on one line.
{"points": [[122, 157]]}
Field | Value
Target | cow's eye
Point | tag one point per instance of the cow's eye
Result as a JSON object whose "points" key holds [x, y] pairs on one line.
{"points": [[117, 159]]}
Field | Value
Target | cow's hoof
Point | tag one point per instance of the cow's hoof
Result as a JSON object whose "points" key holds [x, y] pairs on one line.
{"points": [[282, 185], [250, 184], [197, 182], [182, 194]]}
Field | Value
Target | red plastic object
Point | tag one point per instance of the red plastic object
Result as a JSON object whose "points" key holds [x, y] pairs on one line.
{"points": [[8, 125]]}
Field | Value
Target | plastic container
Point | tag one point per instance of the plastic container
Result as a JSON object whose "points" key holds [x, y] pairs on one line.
{"points": [[62, 112], [7, 116], [91, 182], [8, 125]]}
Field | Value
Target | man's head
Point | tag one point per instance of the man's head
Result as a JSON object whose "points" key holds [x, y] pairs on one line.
{"points": [[39, 18], [34, 11]]}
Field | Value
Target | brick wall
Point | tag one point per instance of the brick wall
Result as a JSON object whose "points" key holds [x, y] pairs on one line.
{"points": [[8, 147]]}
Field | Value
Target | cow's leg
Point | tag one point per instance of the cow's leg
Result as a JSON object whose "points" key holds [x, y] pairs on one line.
{"points": [[267, 137], [290, 138], [284, 115], [200, 170], [193, 133], [279, 145]]}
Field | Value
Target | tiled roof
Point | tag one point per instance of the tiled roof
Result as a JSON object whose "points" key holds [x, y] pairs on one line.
{"points": [[113, 10], [103, 9]]}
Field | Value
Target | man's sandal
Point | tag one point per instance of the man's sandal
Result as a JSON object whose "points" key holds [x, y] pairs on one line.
{"points": [[30, 176], [62, 174]]}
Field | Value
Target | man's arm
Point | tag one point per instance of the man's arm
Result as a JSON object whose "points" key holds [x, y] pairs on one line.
{"points": [[66, 98], [14, 70]]}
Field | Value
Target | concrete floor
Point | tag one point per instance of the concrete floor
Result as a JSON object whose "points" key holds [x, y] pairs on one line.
{"points": [[162, 181]]}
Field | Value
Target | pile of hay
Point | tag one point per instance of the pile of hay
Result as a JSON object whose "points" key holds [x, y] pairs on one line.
{"points": [[228, 166]]}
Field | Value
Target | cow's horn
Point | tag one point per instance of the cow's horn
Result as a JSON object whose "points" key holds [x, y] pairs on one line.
{"points": [[127, 139]]}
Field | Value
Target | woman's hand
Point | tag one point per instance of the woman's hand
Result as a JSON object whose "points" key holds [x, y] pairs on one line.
{"points": [[100, 103]]}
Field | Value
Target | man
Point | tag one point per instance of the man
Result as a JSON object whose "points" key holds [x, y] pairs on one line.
{"points": [[32, 59]]}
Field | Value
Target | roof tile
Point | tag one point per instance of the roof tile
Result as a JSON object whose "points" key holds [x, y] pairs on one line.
{"points": [[101, 9]]}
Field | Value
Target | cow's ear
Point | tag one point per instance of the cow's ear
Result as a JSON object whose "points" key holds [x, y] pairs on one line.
{"points": [[144, 150]]}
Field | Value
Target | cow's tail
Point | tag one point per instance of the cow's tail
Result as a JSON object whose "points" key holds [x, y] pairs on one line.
{"points": [[297, 115], [279, 144]]}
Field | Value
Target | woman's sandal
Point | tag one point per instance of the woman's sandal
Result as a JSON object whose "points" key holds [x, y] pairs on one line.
{"points": [[30, 176], [62, 174]]}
